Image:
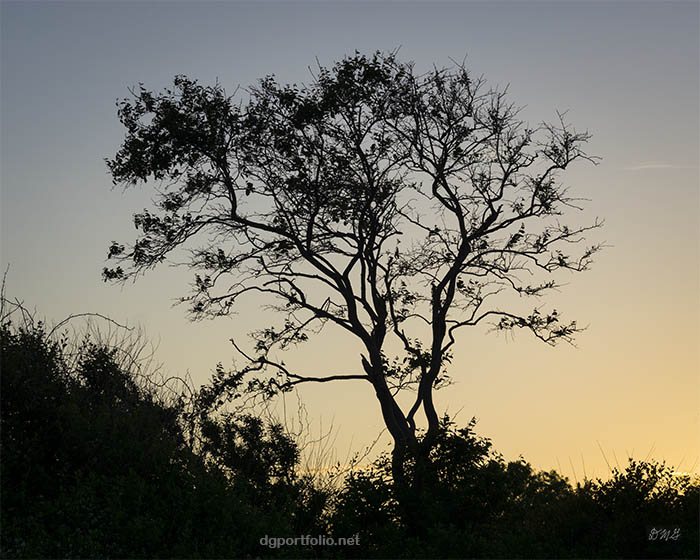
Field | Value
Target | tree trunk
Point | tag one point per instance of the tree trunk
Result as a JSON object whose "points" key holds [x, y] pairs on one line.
{"points": [[410, 459]]}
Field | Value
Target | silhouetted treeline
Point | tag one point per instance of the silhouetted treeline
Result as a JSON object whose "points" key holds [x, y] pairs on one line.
{"points": [[95, 464]]}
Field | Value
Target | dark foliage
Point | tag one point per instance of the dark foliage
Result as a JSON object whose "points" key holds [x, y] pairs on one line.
{"points": [[93, 465], [473, 504]]}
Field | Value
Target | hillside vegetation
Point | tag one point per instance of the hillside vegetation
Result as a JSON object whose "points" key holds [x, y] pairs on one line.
{"points": [[98, 463]]}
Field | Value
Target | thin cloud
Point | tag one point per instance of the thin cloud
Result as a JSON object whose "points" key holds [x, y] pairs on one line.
{"points": [[655, 165]]}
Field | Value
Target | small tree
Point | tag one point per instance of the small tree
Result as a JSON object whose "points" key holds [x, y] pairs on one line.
{"points": [[307, 192]]}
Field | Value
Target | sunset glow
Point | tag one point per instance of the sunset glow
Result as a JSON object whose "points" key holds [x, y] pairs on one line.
{"points": [[625, 71]]}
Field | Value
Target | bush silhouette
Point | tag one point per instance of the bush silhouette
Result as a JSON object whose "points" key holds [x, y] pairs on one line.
{"points": [[94, 465], [475, 504]]}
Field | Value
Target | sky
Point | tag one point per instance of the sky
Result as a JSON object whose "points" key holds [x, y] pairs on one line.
{"points": [[627, 72]]}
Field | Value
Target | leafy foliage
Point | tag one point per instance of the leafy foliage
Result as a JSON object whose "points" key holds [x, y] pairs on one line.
{"points": [[476, 505], [95, 466]]}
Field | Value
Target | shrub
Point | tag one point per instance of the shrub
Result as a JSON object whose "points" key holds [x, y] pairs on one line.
{"points": [[93, 465]]}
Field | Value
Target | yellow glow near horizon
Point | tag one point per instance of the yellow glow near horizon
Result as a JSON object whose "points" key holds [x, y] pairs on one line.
{"points": [[628, 72]]}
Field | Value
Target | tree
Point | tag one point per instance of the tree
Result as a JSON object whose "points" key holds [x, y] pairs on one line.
{"points": [[397, 206]]}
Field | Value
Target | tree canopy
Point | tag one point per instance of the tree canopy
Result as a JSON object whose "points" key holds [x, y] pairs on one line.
{"points": [[398, 206]]}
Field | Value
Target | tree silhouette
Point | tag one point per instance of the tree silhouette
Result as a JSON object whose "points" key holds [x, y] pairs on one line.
{"points": [[395, 205]]}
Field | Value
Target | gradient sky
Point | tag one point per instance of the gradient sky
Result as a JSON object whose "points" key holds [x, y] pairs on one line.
{"points": [[626, 71]]}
